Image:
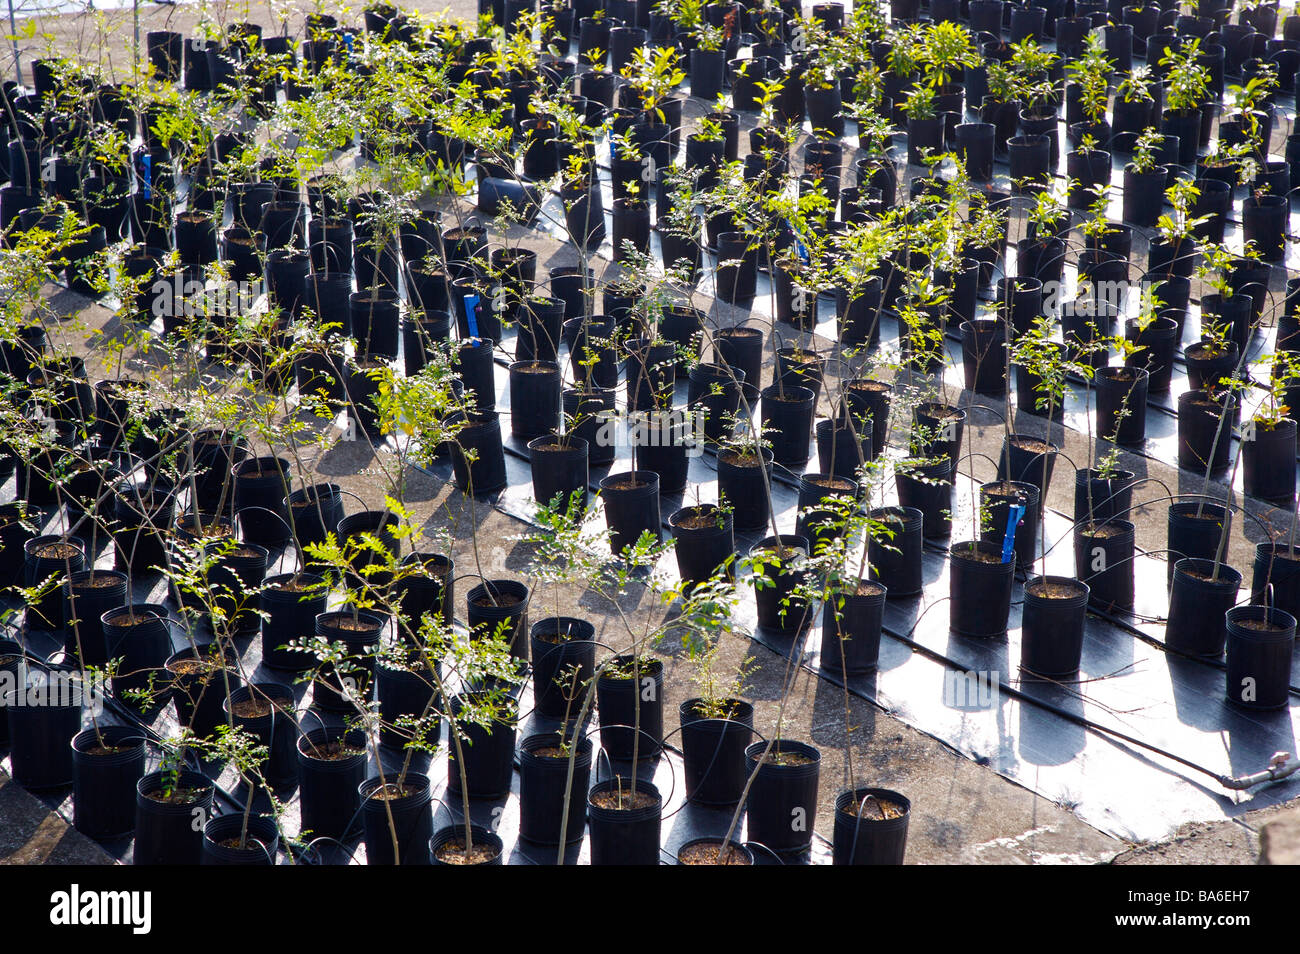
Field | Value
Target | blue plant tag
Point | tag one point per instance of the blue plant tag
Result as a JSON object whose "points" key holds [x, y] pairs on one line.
{"points": [[347, 44], [146, 165], [1014, 513], [471, 316], [798, 244]]}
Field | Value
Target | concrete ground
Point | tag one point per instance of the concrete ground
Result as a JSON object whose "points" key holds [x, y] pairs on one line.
{"points": [[963, 812]]}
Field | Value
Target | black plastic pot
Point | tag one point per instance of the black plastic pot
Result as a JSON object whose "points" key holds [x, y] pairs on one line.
{"points": [[1110, 496], [717, 395], [924, 137], [500, 606], [534, 399], [198, 687], [743, 487], [106, 767], [407, 692], [315, 512], [359, 635], [260, 485], [1199, 598], [896, 562], [50, 556], [1259, 647], [851, 626], [741, 348], [260, 847], [782, 798], [1051, 628], [713, 751], [489, 752], [975, 145], [705, 541], [543, 780], [996, 499], [1030, 159], [861, 836], [631, 507], [166, 832], [928, 489], [1275, 577], [331, 769], [564, 662], [1268, 458], [138, 634], [84, 604], [44, 714], [624, 835], [842, 448], [983, 355], [1158, 341], [787, 416], [478, 457], [1103, 559], [1028, 460], [1144, 195], [273, 724], [559, 469], [1264, 222], [1122, 404], [779, 610], [452, 839], [619, 697], [411, 825], [981, 590], [1204, 436]]}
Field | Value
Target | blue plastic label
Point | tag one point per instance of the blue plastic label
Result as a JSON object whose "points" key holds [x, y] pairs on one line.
{"points": [[146, 167], [1014, 513], [471, 316]]}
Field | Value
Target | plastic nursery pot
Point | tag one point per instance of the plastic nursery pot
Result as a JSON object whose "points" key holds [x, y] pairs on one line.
{"points": [[359, 631], [331, 768], [705, 541], [1051, 628], [937, 430], [426, 586], [397, 819], [489, 752], [585, 413], [1099, 497], [315, 512], [534, 398], [713, 749], [782, 798], [106, 765], [1199, 597], [867, 403], [1193, 529], [980, 584], [778, 565], [742, 349], [291, 602], [50, 556], [787, 417], [1259, 646], [1103, 558], [843, 446], [265, 710], [1029, 460], [198, 686], [87, 596], [927, 488], [1275, 577], [544, 788], [259, 488], [478, 458], [716, 395], [896, 562], [559, 466], [564, 661], [166, 832], [851, 626], [138, 634], [743, 486], [1268, 458], [708, 851], [447, 847], [624, 824], [996, 499], [870, 827], [1122, 404], [983, 355], [629, 697], [227, 842], [44, 714], [1206, 367], [662, 440], [631, 507], [499, 609]]}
